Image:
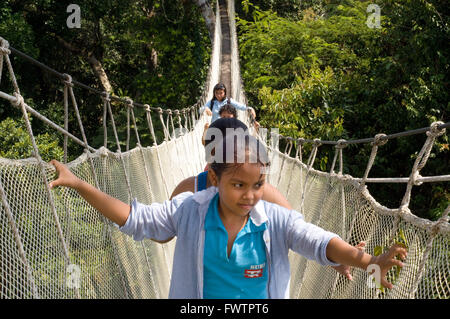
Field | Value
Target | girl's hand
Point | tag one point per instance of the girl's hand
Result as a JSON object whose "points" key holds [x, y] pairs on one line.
{"points": [[252, 112], [204, 133], [387, 260], [208, 111], [346, 270], [112, 208], [65, 176]]}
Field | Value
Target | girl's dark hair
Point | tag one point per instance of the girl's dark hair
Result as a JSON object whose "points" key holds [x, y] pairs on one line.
{"points": [[237, 149], [229, 109], [218, 86]]}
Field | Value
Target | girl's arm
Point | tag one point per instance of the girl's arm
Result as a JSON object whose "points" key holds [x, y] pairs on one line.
{"points": [[327, 248], [204, 132], [339, 251], [112, 208], [242, 107], [237, 105], [186, 185]]}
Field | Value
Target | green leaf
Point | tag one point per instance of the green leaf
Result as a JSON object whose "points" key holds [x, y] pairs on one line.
{"points": [[378, 250], [402, 237]]}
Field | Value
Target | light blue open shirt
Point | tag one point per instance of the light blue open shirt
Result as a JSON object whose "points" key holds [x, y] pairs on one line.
{"points": [[217, 105], [184, 217]]}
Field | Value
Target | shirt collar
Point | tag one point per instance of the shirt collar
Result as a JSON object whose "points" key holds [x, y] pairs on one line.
{"points": [[257, 214], [204, 195], [212, 219]]}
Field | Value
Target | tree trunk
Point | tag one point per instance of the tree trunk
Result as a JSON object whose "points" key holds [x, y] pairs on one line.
{"points": [[208, 15], [95, 64], [152, 57], [100, 72]]}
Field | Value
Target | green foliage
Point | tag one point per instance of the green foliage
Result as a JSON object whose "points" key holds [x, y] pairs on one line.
{"points": [[302, 110], [156, 52], [14, 28], [293, 9], [323, 73], [15, 142], [301, 57]]}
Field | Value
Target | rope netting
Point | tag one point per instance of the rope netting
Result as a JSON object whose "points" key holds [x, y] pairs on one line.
{"points": [[55, 245]]}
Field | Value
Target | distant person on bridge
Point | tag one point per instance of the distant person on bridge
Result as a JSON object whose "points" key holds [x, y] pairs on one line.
{"points": [[220, 99], [226, 111], [229, 110]]}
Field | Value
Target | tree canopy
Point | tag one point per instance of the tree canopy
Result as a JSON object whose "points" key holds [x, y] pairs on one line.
{"points": [[155, 52]]}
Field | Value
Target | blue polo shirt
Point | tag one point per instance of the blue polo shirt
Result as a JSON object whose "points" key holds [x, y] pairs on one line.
{"points": [[242, 275]]}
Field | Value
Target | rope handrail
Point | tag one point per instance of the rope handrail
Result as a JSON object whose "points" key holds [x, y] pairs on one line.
{"points": [[64, 76], [369, 139]]}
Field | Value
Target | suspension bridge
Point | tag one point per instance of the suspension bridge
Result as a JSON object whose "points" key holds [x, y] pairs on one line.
{"points": [[54, 245]]}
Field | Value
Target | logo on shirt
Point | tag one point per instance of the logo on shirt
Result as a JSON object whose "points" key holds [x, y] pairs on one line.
{"points": [[255, 271]]}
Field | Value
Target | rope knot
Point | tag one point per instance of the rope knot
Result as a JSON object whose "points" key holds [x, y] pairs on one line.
{"points": [[5, 51], [160, 110], [19, 100], [404, 210], [177, 112], [103, 151], [341, 144], [301, 141], [4, 46], [435, 130], [169, 111], [67, 80], [436, 228], [147, 107], [414, 178], [380, 139], [129, 102], [317, 142], [289, 145], [105, 96]]}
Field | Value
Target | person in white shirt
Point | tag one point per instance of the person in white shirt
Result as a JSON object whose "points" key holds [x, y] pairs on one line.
{"points": [[212, 107]]}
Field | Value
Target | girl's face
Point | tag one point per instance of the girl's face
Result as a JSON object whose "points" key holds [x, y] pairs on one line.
{"points": [[240, 188], [219, 94]]}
